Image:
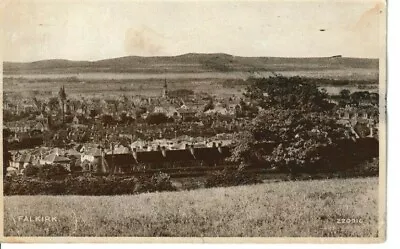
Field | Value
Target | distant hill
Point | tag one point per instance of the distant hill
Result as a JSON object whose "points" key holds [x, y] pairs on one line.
{"points": [[189, 63]]}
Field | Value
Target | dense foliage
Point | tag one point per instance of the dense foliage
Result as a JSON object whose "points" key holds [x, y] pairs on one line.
{"points": [[157, 118], [226, 178], [297, 117], [288, 93], [86, 185]]}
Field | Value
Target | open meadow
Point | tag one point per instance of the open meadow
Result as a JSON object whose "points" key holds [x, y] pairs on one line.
{"points": [[283, 209], [221, 74]]}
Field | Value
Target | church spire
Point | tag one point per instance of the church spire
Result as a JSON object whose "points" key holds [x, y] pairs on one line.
{"points": [[62, 97], [165, 89]]}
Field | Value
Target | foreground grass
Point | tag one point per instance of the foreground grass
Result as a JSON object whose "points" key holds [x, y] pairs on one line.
{"points": [[307, 208]]}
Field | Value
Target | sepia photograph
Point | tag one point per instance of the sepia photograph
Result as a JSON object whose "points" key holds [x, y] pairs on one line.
{"points": [[193, 121]]}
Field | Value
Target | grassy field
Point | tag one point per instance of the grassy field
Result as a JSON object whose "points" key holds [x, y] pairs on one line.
{"points": [[305, 208], [199, 72], [222, 87]]}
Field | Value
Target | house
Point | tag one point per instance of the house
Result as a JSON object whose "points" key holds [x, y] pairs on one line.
{"points": [[20, 161], [118, 163], [187, 113], [19, 127], [169, 111], [75, 120], [57, 159], [219, 110], [94, 160], [163, 157], [74, 153], [92, 155], [28, 107], [39, 126]]}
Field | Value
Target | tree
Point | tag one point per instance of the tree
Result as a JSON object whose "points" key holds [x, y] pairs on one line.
{"points": [[37, 103], [107, 120], [140, 111], [287, 93], [125, 119], [358, 97], [374, 98], [345, 98], [157, 118], [300, 138], [208, 106], [302, 129], [246, 110], [93, 113], [6, 154], [53, 104], [243, 153], [345, 94]]}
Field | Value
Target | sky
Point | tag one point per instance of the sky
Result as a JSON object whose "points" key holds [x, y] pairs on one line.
{"points": [[94, 30]]}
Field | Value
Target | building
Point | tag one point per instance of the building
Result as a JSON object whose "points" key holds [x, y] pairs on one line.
{"points": [[165, 89], [20, 161], [57, 159]]}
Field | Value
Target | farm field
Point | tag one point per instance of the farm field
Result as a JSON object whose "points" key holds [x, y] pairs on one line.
{"points": [[199, 72], [281, 209], [221, 84]]}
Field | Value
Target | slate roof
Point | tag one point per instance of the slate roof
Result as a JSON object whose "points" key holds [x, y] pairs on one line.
{"points": [[25, 158], [73, 152], [93, 152], [120, 159], [53, 158]]}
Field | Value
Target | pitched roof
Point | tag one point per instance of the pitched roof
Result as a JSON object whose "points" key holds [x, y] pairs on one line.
{"points": [[61, 159], [179, 155], [149, 156], [57, 151], [121, 150], [120, 159], [93, 152], [73, 152], [25, 158], [53, 158]]}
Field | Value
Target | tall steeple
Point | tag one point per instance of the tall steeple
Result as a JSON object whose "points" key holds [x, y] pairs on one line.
{"points": [[62, 96], [165, 89]]}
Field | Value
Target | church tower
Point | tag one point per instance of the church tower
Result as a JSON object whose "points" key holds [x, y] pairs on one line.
{"points": [[62, 97], [165, 89]]}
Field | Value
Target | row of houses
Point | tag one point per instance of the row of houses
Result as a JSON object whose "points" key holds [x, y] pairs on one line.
{"points": [[82, 154], [121, 159], [27, 126]]}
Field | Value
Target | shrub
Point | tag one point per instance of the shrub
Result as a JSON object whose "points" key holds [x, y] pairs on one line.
{"points": [[52, 171], [162, 182], [158, 182], [157, 118], [226, 178], [87, 185], [31, 170]]}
